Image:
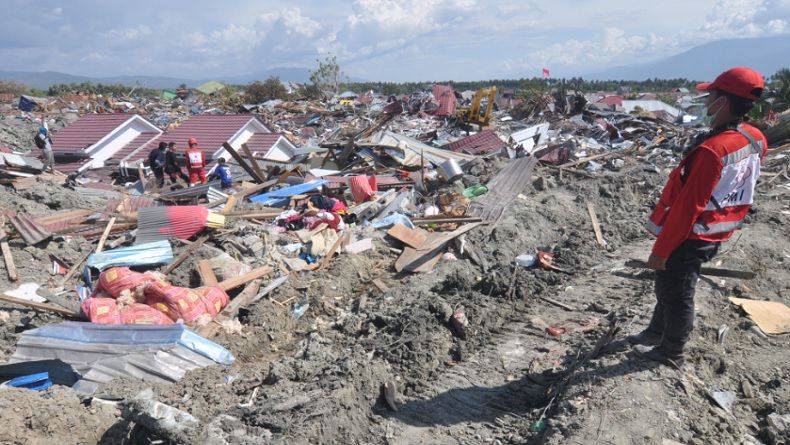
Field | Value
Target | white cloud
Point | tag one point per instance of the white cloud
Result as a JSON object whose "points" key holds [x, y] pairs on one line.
{"points": [[129, 34], [777, 26], [293, 20]]}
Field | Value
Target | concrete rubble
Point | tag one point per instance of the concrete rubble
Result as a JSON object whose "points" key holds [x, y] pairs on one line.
{"points": [[392, 273]]}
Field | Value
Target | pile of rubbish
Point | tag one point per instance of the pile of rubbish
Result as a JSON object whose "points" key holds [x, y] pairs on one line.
{"points": [[148, 276]]}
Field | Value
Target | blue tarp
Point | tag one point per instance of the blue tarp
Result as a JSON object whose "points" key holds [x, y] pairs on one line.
{"points": [[282, 196], [27, 104], [147, 254]]}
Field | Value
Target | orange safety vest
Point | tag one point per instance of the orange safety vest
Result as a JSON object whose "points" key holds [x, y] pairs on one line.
{"points": [[740, 154]]}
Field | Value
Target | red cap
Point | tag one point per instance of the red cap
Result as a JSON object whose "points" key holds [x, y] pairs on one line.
{"points": [[192, 141], [741, 81]]}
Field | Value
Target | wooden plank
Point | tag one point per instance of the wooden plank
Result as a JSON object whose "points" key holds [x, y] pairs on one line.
{"points": [[340, 240], [7, 257], [596, 226], [243, 299], [453, 220], [418, 261], [229, 205], [76, 267], [253, 162], [39, 306], [411, 237], [594, 157], [444, 238], [235, 282], [242, 163], [185, 254], [206, 273], [105, 234], [141, 173], [380, 285], [710, 271]]}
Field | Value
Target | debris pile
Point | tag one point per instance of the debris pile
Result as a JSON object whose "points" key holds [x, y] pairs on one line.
{"points": [[360, 260]]}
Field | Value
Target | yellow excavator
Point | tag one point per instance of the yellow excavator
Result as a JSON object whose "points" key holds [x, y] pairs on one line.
{"points": [[479, 111]]}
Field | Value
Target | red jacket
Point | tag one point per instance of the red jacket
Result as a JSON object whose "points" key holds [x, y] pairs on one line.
{"points": [[708, 195], [196, 159]]}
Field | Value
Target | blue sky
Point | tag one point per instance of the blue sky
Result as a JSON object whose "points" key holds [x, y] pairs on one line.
{"points": [[373, 39]]}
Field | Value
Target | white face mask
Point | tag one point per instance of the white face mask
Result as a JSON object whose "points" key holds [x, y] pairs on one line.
{"points": [[710, 116]]}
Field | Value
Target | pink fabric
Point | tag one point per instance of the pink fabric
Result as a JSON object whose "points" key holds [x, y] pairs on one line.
{"points": [[363, 187]]}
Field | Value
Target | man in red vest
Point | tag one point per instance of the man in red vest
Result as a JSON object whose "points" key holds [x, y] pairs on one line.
{"points": [[196, 163], [706, 198]]}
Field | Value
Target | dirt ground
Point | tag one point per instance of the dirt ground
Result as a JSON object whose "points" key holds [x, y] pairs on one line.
{"points": [[321, 378]]}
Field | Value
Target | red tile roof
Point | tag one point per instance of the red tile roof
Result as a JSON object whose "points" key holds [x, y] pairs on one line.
{"points": [[143, 140], [612, 100], [262, 142], [87, 131], [211, 130], [446, 98], [484, 142]]}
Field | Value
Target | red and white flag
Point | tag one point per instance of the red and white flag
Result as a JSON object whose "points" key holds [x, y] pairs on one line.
{"points": [[546, 73]]}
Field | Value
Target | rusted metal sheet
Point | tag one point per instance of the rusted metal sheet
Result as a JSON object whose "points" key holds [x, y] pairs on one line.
{"points": [[30, 231], [503, 189], [128, 204]]}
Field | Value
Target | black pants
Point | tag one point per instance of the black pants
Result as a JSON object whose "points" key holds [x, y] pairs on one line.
{"points": [[673, 316], [159, 174]]}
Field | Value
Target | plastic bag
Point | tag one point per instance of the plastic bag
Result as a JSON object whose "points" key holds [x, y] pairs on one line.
{"points": [[214, 298], [101, 310], [115, 280], [141, 314], [175, 302]]}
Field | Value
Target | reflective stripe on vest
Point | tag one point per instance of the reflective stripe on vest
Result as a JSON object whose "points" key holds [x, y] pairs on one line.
{"points": [[724, 226], [653, 228]]}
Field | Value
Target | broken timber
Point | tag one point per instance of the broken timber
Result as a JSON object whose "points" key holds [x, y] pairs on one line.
{"points": [[9, 260], [252, 160], [39, 306], [596, 226], [185, 254], [242, 163], [710, 271]]}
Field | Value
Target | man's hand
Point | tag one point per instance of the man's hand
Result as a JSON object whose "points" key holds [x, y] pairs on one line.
{"points": [[656, 262]]}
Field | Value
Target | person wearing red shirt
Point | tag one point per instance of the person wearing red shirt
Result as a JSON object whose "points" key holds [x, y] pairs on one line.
{"points": [[706, 198], [196, 163]]}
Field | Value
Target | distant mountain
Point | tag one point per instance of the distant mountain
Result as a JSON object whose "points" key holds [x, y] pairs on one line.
{"points": [[765, 54], [44, 79]]}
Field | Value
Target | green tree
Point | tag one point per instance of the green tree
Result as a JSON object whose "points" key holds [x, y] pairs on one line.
{"points": [[327, 76], [272, 88], [12, 86]]}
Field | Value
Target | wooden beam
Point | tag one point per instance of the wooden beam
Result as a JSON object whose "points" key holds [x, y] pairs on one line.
{"points": [[105, 234], [253, 162], [229, 205], [185, 254], [76, 267], [596, 226], [235, 282], [340, 240], [710, 271], [243, 299], [242, 163], [9, 260], [206, 273], [39, 306], [447, 220]]}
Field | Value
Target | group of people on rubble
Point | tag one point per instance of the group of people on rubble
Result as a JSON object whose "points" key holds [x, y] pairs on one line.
{"points": [[163, 160]]}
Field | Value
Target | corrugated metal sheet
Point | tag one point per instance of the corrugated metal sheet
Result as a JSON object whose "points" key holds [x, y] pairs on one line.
{"points": [[211, 130], [136, 146], [503, 189], [262, 142], [161, 223], [407, 150], [190, 192], [484, 142], [446, 97], [161, 354], [87, 131], [30, 231], [129, 204]]}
